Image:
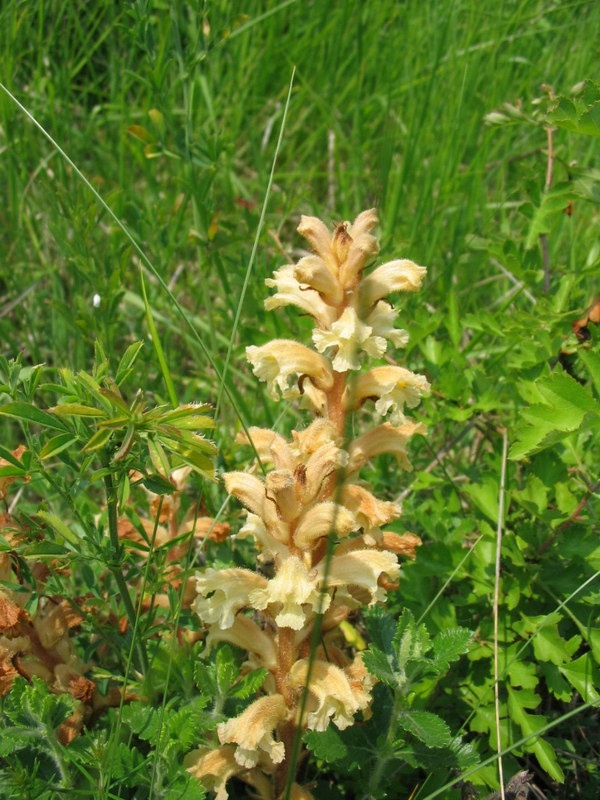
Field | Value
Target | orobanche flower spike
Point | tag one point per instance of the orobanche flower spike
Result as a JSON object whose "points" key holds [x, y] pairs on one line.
{"points": [[312, 495]]}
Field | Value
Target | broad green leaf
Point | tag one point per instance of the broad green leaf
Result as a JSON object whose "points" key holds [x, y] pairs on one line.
{"points": [[428, 727], [530, 724], [584, 676], [327, 746], [8, 456], [12, 472], [30, 413], [548, 645], [592, 362]]}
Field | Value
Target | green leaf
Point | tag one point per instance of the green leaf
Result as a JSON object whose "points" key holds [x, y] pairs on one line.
{"points": [[592, 362], [8, 456], [30, 413], [227, 669], [565, 403], [76, 410], [327, 745], [548, 645], [450, 645], [249, 684], [60, 527], [379, 665], [98, 440], [127, 360], [428, 727], [529, 724], [584, 676], [158, 485], [12, 472], [57, 444], [411, 642], [552, 204]]}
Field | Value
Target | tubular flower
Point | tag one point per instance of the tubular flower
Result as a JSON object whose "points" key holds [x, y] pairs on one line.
{"points": [[280, 361], [393, 387], [312, 494], [252, 731]]}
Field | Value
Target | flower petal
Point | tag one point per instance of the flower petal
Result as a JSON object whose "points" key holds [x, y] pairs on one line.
{"points": [[395, 276], [278, 362], [291, 589], [253, 729], [223, 592], [291, 292], [320, 521]]}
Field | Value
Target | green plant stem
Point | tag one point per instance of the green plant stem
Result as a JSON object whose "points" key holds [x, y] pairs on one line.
{"points": [[115, 565], [383, 754]]}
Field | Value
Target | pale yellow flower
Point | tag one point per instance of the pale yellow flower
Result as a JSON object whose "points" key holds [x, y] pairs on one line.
{"points": [[268, 545], [383, 439], [314, 272], [361, 568], [213, 768], [381, 319], [270, 446], [351, 336], [251, 491], [245, 633], [319, 236], [364, 223], [223, 592], [282, 363], [332, 695], [394, 388], [319, 433], [395, 276], [363, 248], [323, 463], [291, 292], [321, 520], [280, 488], [252, 731], [290, 590]]}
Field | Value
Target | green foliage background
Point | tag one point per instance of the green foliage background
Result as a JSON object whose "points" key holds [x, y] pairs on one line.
{"points": [[173, 111]]}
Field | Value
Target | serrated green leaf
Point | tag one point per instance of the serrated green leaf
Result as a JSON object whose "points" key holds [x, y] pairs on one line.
{"points": [[227, 668], [548, 645], [552, 204], [249, 684], [379, 665], [450, 645], [381, 628], [30, 413], [326, 745], [427, 727]]}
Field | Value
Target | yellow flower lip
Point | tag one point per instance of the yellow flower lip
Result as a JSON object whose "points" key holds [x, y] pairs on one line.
{"points": [[391, 387], [279, 361], [394, 276], [332, 694], [253, 729], [223, 592], [321, 520], [290, 591]]}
